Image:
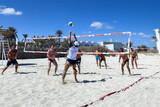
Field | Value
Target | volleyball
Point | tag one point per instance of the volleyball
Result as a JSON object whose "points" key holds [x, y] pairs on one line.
{"points": [[70, 24]]}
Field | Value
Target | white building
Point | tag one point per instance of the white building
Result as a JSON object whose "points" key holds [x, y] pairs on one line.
{"points": [[157, 32], [114, 46]]}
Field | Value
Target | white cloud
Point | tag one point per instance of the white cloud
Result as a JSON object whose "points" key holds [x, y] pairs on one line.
{"points": [[108, 26], [9, 11], [142, 34], [89, 31], [100, 25], [97, 25], [134, 33]]}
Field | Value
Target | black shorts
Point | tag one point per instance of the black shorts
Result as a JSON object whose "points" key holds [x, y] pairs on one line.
{"points": [[51, 60], [72, 62], [78, 60], [14, 62], [133, 57], [102, 59], [125, 61]]}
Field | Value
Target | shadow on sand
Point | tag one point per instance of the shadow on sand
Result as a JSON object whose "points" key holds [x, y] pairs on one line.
{"points": [[26, 72], [135, 74], [26, 64], [87, 73], [60, 74], [93, 81], [142, 68]]}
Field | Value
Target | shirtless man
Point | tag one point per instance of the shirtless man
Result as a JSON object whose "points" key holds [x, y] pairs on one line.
{"points": [[125, 61], [12, 54], [51, 58], [71, 58], [102, 58], [134, 57]]}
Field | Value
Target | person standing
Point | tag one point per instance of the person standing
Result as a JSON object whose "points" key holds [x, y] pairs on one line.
{"points": [[51, 58], [71, 58], [12, 55], [134, 58]]}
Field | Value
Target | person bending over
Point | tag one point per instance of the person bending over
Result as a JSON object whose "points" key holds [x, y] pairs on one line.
{"points": [[125, 61], [102, 58]]}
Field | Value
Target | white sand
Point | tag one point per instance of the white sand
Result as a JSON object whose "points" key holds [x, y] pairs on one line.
{"points": [[33, 88]]}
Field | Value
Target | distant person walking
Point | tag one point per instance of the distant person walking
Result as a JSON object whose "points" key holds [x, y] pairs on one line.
{"points": [[51, 58], [125, 61], [12, 54], [71, 58]]}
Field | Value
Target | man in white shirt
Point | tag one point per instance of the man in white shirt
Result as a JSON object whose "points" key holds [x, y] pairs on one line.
{"points": [[71, 58]]}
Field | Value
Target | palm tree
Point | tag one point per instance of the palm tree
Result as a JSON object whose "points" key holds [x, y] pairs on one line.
{"points": [[1, 26], [142, 48], [13, 32], [1, 29], [25, 36], [154, 38], [59, 34], [10, 34]]}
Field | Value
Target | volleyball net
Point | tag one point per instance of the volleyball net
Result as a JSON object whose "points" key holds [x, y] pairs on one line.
{"points": [[36, 39]]}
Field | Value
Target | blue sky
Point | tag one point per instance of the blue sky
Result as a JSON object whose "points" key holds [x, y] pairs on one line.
{"points": [[44, 17]]}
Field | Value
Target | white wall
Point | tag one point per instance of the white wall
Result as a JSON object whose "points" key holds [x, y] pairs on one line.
{"points": [[1, 36], [157, 32], [110, 46]]}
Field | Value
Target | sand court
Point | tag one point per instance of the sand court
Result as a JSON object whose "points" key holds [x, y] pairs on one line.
{"points": [[33, 87]]}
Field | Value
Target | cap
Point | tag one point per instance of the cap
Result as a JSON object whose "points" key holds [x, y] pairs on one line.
{"points": [[76, 43]]}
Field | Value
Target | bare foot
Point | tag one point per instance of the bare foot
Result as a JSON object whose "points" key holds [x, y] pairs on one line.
{"points": [[77, 81], [17, 72], [64, 82]]}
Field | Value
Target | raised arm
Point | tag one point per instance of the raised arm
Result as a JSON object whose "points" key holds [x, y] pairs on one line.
{"points": [[75, 37], [69, 39]]}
